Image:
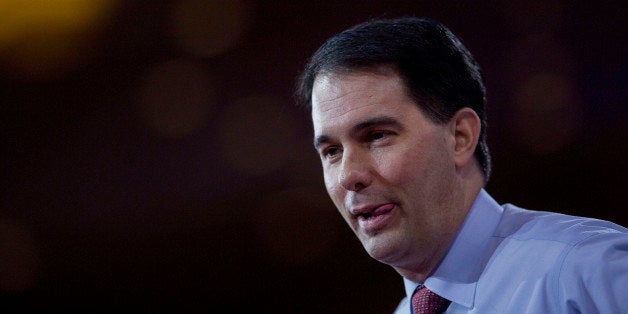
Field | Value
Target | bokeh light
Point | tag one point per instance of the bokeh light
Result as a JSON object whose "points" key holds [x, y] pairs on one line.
{"points": [[155, 160], [256, 135], [43, 39], [547, 113], [18, 257], [176, 98], [207, 28]]}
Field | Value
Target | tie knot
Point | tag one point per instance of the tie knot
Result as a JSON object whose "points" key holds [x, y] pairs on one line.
{"points": [[425, 301]]}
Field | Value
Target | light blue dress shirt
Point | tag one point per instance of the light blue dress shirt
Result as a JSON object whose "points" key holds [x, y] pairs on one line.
{"points": [[506, 259]]}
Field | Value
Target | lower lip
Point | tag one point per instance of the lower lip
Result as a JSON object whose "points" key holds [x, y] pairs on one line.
{"points": [[377, 221]]}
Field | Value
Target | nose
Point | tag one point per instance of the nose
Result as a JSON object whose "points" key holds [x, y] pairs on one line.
{"points": [[355, 173]]}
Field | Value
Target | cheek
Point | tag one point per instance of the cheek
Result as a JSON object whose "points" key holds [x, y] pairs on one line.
{"points": [[400, 167], [329, 183], [332, 186]]}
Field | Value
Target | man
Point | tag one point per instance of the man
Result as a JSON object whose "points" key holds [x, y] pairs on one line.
{"points": [[398, 109]]}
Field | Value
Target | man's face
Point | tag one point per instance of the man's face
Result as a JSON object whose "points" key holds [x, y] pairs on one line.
{"points": [[388, 168]]}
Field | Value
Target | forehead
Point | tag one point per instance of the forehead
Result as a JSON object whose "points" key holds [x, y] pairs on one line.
{"points": [[339, 97]]}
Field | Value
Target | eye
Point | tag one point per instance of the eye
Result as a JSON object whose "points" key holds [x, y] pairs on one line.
{"points": [[330, 152], [378, 135]]}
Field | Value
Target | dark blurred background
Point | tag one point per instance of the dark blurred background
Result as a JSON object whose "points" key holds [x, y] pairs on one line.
{"points": [[153, 158]]}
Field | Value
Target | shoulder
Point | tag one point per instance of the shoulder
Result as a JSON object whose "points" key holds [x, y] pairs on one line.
{"points": [[523, 224], [594, 273], [545, 244], [588, 258], [566, 243]]}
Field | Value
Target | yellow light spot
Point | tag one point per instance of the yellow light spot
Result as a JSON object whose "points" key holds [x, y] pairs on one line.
{"points": [[39, 38]]}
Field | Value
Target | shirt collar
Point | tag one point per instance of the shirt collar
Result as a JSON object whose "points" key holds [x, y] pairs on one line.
{"points": [[456, 276]]}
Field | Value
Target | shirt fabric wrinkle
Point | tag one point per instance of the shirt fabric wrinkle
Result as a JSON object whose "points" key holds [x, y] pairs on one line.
{"points": [[520, 255]]}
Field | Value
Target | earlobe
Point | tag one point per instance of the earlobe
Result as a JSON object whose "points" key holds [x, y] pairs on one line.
{"points": [[466, 124]]}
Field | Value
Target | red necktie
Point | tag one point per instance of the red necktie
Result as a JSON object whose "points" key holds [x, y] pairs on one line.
{"points": [[425, 301]]}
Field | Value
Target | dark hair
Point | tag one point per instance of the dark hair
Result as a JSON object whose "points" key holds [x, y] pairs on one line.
{"points": [[438, 71]]}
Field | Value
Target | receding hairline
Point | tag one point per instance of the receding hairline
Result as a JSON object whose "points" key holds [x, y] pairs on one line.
{"points": [[382, 69]]}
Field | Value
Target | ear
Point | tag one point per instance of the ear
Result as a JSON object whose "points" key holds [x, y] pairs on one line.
{"points": [[465, 126]]}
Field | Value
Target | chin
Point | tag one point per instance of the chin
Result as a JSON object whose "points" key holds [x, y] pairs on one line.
{"points": [[381, 248]]}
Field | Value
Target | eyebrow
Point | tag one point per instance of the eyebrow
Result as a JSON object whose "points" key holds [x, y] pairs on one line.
{"points": [[379, 121]]}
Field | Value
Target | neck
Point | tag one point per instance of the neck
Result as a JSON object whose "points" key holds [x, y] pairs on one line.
{"points": [[470, 182]]}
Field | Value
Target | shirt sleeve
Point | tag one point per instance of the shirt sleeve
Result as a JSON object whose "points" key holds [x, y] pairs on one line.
{"points": [[594, 275]]}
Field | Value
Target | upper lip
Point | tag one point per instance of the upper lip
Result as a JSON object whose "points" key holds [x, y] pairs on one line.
{"points": [[364, 210]]}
